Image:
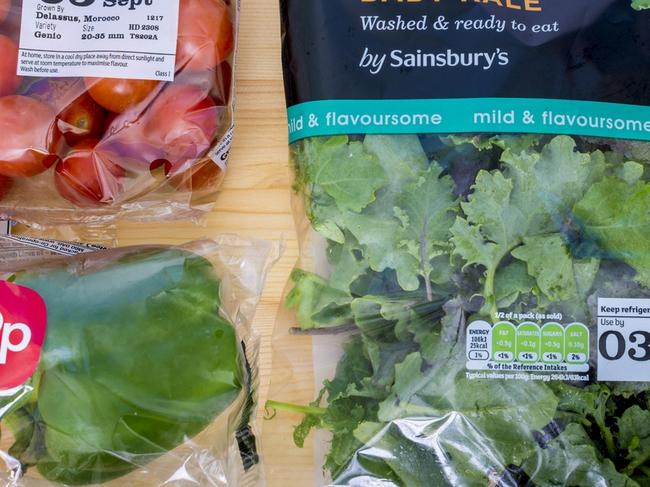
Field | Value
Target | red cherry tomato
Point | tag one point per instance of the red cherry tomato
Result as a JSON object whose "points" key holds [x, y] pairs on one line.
{"points": [[5, 8], [222, 84], [56, 92], [124, 138], [108, 122], [81, 119], [183, 121], [205, 34], [216, 81], [88, 177], [26, 127], [117, 95], [197, 177], [9, 80], [5, 186]]}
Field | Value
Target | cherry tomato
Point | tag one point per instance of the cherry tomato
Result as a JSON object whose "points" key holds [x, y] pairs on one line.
{"points": [[124, 137], [216, 81], [110, 119], [81, 119], [26, 127], [9, 80], [197, 177], [222, 84], [56, 92], [205, 34], [5, 8], [5, 186], [88, 177], [117, 95], [183, 121]]}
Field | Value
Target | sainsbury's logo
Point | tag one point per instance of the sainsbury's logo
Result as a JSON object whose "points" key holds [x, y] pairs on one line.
{"points": [[19, 332], [23, 323]]}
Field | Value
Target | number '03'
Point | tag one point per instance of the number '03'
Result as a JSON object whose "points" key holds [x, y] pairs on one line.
{"points": [[640, 352]]}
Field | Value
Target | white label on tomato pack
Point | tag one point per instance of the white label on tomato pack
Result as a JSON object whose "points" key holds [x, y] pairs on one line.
{"points": [[133, 39], [221, 152], [624, 340]]}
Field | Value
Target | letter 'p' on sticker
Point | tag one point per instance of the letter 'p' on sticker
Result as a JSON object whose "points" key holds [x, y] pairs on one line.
{"points": [[23, 324]]}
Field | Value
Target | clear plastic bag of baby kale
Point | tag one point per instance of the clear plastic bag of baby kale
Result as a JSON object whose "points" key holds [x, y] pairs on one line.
{"points": [[114, 109], [133, 366], [473, 197]]}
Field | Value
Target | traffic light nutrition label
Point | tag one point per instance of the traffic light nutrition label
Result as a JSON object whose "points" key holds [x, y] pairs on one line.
{"points": [[556, 351], [527, 348]]}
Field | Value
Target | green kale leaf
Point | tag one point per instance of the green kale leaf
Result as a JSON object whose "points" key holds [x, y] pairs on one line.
{"points": [[559, 276], [572, 460], [317, 303], [616, 215], [530, 198], [406, 236], [634, 436], [404, 228], [343, 170], [505, 412]]}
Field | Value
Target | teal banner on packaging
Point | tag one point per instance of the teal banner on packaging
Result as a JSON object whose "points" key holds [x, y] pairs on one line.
{"points": [[469, 115]]}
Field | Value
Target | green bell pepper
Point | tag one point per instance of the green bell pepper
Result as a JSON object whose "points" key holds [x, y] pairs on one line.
{"points": [[136, 360]]}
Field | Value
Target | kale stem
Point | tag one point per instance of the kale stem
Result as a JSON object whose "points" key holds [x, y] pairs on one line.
{"points": [[328, 330], [294, 408], [629, 470], [609, 440], [429, 289], [488, 289], [424, 260]]}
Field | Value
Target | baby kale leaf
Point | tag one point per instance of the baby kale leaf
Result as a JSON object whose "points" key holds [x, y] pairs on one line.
{"points": [[617, 216], [531, 197]]}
